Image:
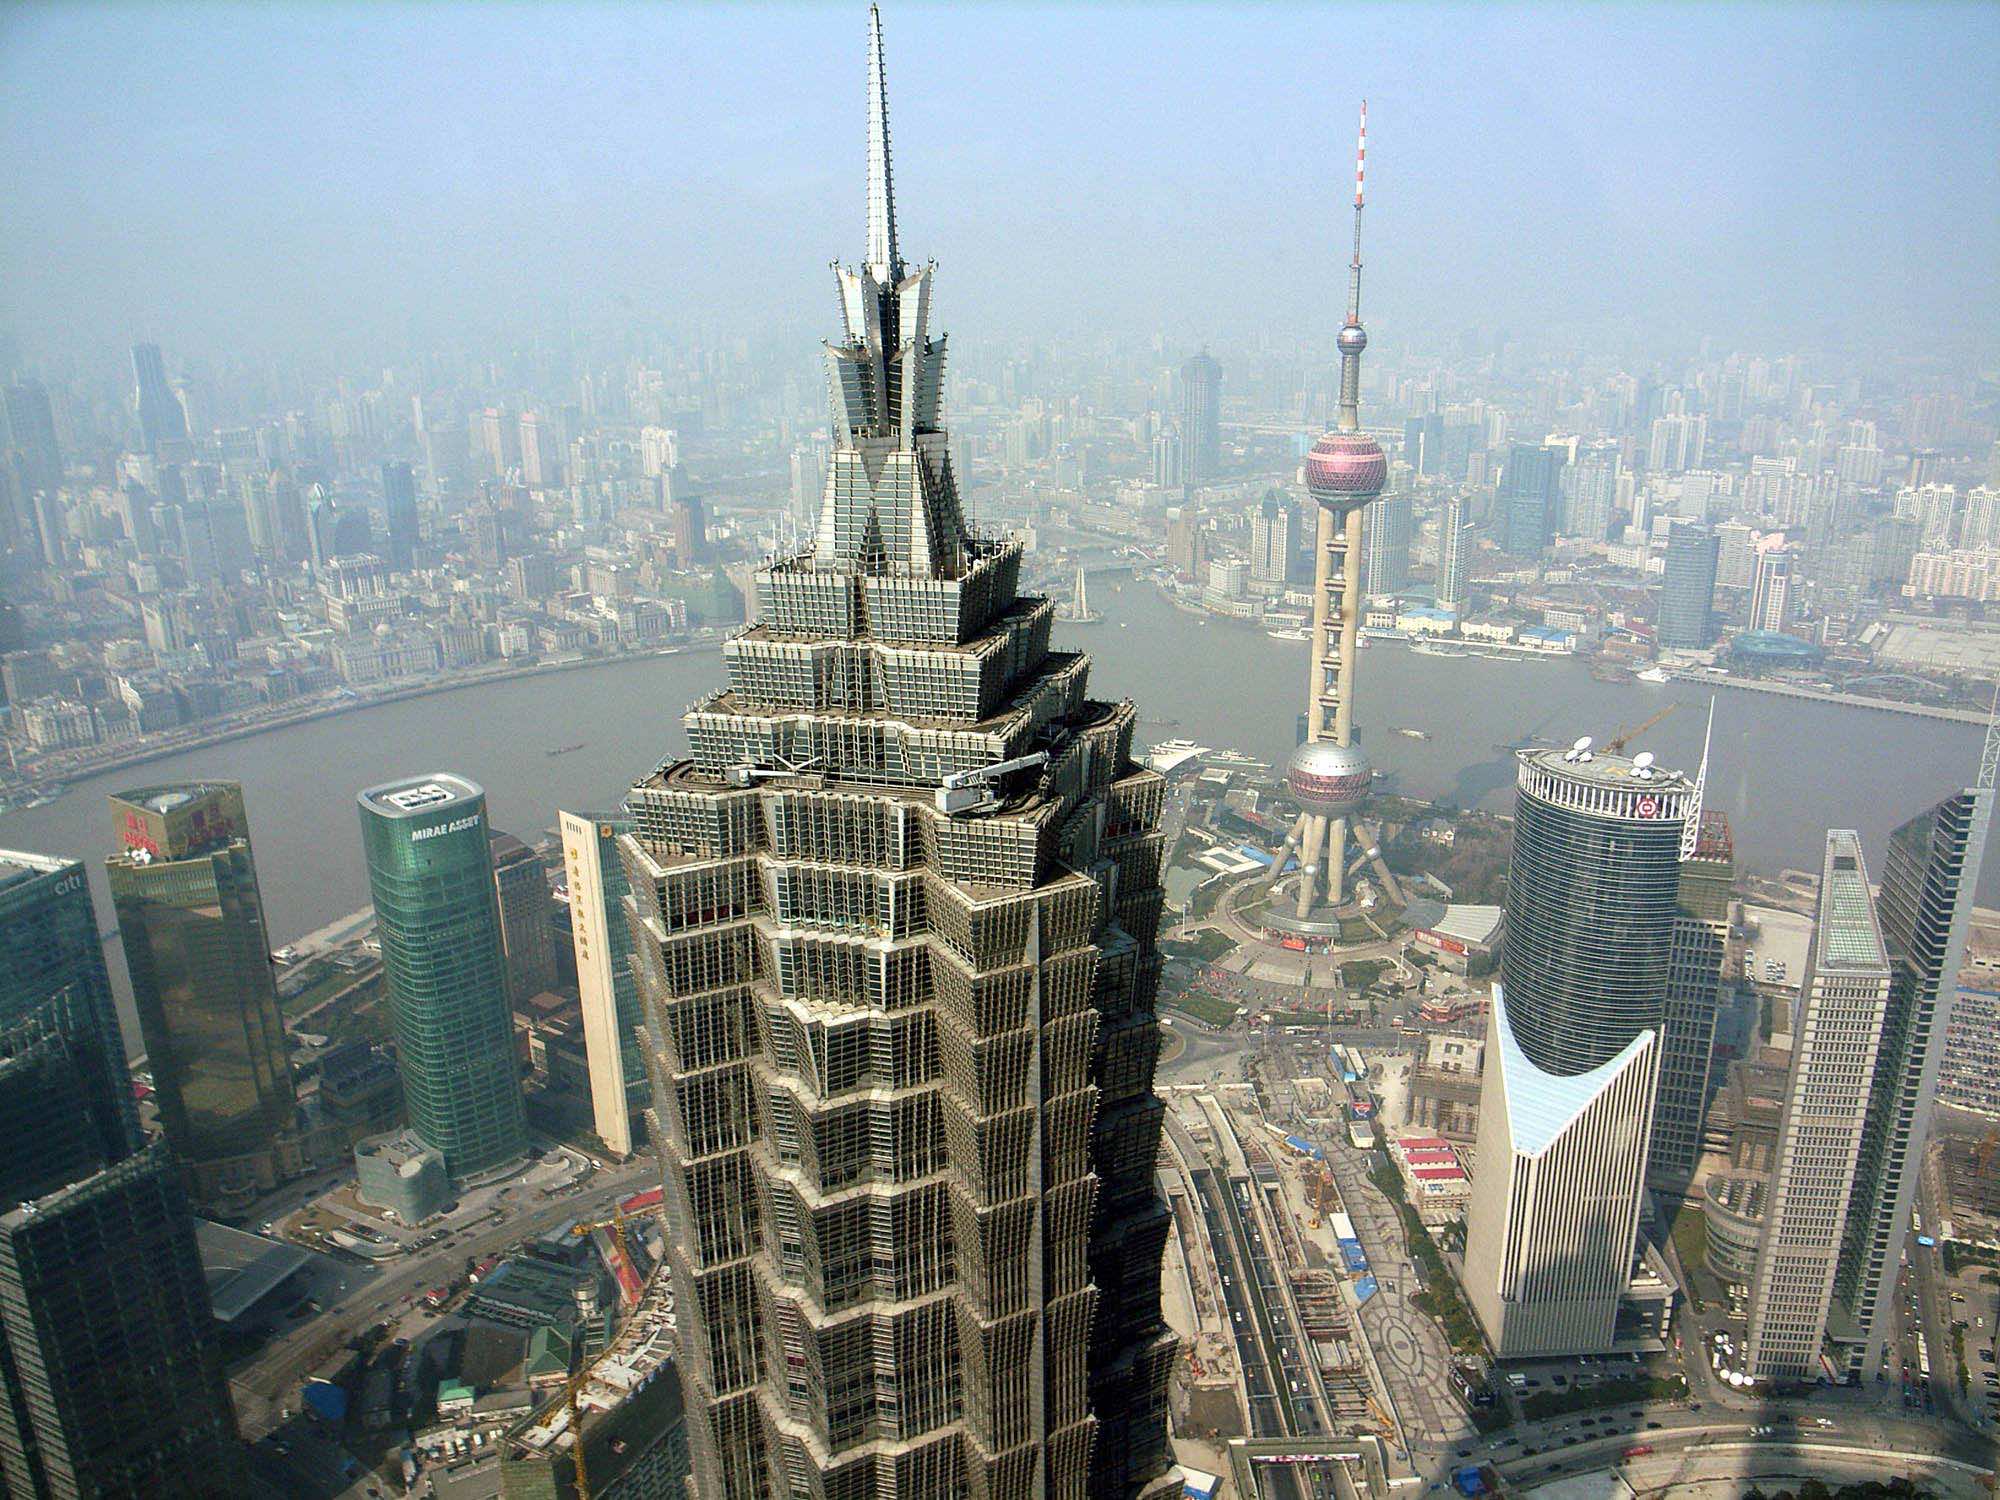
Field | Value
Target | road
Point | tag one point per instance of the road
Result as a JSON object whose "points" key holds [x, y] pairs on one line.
{"points": [[269, 1382]]}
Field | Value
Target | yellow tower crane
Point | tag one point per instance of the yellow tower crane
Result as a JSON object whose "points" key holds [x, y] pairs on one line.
{"points": [[576, 1382], [1625, 737]]}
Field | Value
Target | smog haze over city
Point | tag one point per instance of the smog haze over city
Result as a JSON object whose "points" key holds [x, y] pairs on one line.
{"points": [[363, 179], [988, 752]]}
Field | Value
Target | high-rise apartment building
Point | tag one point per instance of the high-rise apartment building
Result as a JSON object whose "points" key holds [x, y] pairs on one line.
{"points": [[1835, 1041], [1573, 1048], [1529, 492], [1771, 602], [1929, 875], [399, 503], [1271, 540], [161, 420], [527, 918], [111, 1379], [601, 935], [1687, 588], [1386, 567], [1453, 544], [430, 871], [50, 947], [1735, 555], [192, 923], [895, 924], [1201, 419]]}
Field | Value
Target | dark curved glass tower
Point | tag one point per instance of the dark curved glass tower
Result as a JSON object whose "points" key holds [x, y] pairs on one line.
{"points": [[1592, 888], [430, 870]]}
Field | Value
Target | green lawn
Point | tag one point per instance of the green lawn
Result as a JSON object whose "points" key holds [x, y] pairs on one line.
{"points": [[1690, 1235], [1633, 1392], [1209, 1009], [1205, 946]]}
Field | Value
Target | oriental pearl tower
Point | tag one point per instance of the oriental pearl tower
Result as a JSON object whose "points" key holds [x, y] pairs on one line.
{"points": [[1328, 774]]}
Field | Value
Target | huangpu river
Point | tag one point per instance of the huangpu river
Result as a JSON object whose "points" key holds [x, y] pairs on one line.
{"points": [[1783, 770]]}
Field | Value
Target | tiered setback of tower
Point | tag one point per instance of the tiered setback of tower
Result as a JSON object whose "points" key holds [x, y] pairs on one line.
{"points": [[894, 931], [905, 1059]]}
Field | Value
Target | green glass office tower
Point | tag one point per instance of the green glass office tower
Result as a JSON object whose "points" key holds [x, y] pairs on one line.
{"points": [[430, 870], [111, 1379], [192, 922], [48, 947]]}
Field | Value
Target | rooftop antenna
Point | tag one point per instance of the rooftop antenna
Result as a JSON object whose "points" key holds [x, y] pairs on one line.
{"points": [[882, 256], [1360, 176], [1691, 828]]}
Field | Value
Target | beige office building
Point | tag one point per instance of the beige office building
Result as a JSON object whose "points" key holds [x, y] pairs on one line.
{"points": [[1838, 1037]]}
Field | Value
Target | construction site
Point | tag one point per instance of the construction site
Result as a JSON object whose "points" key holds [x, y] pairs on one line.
{"points": [[1281, 1247]]}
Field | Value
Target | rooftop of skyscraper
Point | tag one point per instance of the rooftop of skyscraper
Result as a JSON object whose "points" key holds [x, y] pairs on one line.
{"points": [[414, 796], [1848, 935], [1598, 768]]}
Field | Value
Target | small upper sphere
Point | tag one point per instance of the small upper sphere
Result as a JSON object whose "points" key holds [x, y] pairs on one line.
{"points": [[1353, 339], [1345, 468]]}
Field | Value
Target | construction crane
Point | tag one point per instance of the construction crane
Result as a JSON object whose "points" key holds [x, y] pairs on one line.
{"points": [[576, 1382], [1625, 737]]}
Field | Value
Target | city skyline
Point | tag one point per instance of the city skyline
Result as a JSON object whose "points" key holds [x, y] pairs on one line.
{"points": [[981, 1039], [1704, 194]]}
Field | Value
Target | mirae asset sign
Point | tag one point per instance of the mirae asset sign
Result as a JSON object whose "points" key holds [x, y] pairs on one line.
{"points": [[456, 825]]}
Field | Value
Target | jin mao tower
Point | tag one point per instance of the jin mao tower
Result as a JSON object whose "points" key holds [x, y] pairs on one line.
{"points": [[893, 929]]}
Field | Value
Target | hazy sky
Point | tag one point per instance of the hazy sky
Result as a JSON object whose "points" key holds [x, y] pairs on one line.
{"points": [[274, 176]]}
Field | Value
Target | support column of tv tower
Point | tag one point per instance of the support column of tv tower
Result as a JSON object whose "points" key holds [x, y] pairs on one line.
{"points": [[1328, 775]]}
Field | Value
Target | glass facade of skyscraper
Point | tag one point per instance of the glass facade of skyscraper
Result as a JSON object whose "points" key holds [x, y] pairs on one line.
{"points": [[111, 1380], [1687, 588], [192, 922], [1929, 874], [430, 871], [1592, 891], [49, 946]]}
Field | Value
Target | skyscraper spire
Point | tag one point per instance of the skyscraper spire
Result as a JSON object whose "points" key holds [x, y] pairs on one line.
{"points": [[882, 257], [1352, 338], [1354, 266]]}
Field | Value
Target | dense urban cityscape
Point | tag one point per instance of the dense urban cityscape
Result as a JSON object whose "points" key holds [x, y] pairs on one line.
{"points": [[946, 1017]]}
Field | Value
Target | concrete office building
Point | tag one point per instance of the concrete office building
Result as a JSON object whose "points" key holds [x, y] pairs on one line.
{"points": [[895, 934], [397, 1171], [49, 948], [111, 1379], [1835, 1042], [430, 870], [1573, 1049], [191, 919], [527, 918], [1687, 588], [601, 935], [1929, 875]]}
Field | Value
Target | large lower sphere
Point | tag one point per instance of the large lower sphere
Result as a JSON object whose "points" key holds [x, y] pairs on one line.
{"points": [[1346, 469]]}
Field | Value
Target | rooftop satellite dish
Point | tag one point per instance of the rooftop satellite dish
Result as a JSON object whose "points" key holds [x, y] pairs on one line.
{"points": [[1643, 761], [1582, 744]]}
